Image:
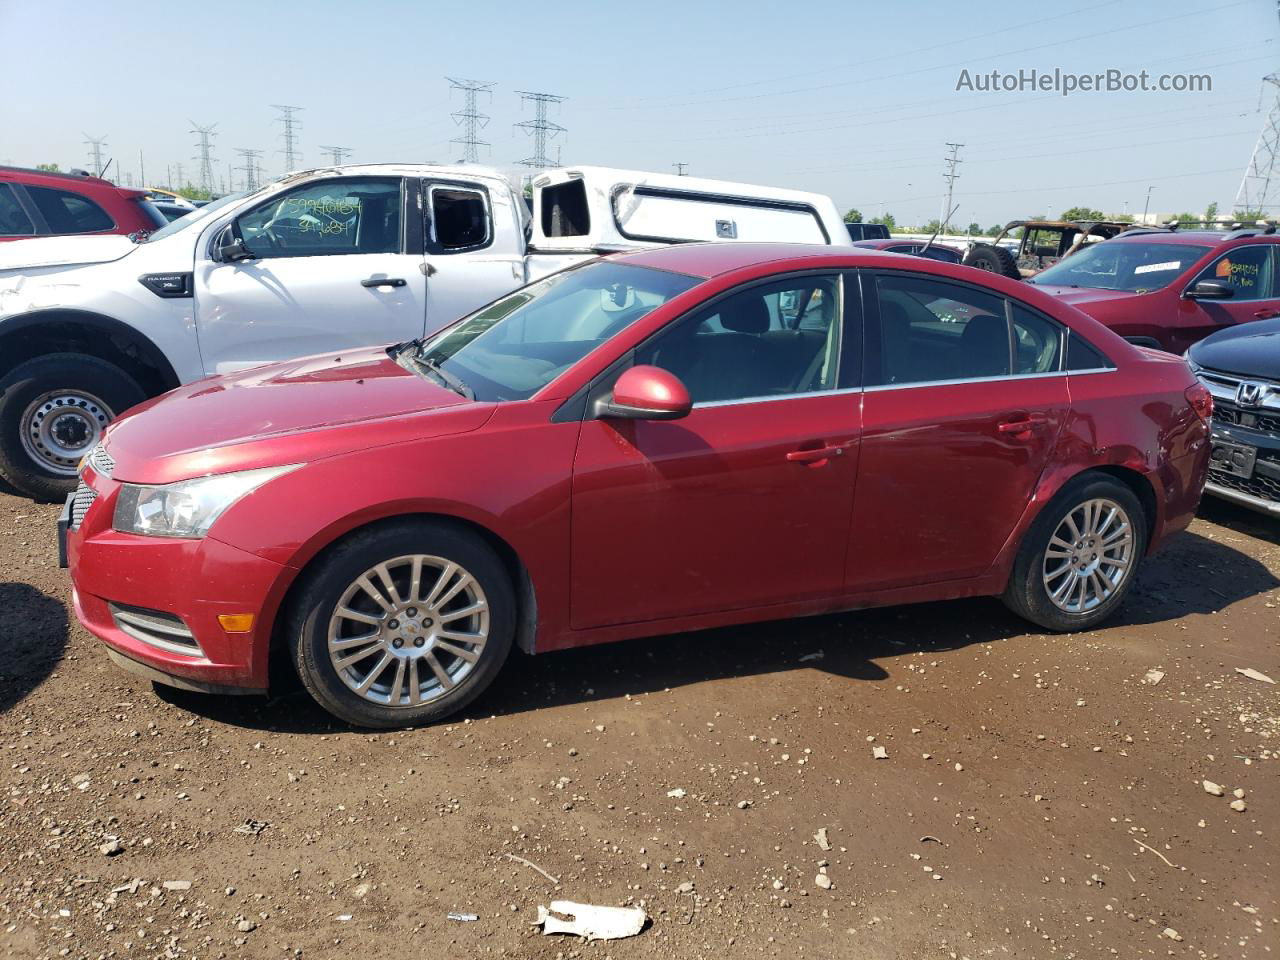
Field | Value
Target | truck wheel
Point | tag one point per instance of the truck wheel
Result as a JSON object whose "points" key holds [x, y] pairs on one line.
{"points": [[993, 259], [402, 624], [52, 412]]}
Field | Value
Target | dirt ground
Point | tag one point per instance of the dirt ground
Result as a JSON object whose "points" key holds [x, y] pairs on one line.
{"points": [[1039, 798]]}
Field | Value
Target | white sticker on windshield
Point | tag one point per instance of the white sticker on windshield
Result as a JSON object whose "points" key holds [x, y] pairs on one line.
{"points": [[1157, 267]]}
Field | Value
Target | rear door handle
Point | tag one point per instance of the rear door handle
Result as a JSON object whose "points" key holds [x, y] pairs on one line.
{"points": [[1266, 313], [814, 455], [383, 282], [1023, 424]]}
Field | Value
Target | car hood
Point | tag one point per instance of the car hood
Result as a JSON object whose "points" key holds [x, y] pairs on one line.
{"points": [[64, 251], [1248, 350], [292, 412], [1085, 298]]}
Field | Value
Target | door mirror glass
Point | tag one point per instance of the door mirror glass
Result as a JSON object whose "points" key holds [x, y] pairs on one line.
{"points": [[646, 393], [1210, 290]]}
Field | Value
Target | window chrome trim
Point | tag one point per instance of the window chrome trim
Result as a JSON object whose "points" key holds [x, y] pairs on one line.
{"points": [[1090, 370], [963, 380], [770, 398]]}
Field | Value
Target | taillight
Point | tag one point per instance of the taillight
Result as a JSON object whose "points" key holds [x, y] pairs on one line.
{"points": [[1201, 401]]}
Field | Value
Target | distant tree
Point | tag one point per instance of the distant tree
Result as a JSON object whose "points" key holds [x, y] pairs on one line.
{"points": [[192, 192], [994, 229], [1211, 211], [1248, 216], [888, 220], [853, 215], [1082, 213], [1123, 217], [974, 228], [932, 226], [49, 167], [1187, 218]]}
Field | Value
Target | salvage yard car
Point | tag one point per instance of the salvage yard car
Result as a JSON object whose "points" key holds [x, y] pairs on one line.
{"points": [[39, 203], [661, 441], [329, 259], [1040, 244], [1168, 289], [1241, 368]]}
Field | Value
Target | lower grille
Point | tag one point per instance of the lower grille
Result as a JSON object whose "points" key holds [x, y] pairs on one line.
{"points": [[161, 630], [1259, 485], [80, 504]]}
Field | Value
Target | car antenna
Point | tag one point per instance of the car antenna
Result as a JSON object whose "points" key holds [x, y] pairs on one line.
{"points": [[103, 174], [939, 230]]}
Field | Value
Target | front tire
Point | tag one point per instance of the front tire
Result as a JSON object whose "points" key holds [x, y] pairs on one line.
{"points": [[403, 624], [1080, 557], [53, 410]]}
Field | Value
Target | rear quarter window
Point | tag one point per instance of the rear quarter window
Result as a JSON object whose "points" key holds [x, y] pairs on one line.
{"points": [[1082, 355], [14, 221]]}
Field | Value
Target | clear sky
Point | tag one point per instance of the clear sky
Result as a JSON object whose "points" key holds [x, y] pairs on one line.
{"points": [[856, 99]]}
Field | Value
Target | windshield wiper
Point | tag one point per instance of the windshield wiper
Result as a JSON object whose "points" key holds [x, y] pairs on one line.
{"points": [[437, 372]]}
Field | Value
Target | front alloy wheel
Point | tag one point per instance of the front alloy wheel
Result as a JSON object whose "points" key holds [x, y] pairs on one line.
{"points": [[402, 623]]}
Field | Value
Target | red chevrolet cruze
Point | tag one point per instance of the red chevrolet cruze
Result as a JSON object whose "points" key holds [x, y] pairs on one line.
{"points": [[656, 442]]}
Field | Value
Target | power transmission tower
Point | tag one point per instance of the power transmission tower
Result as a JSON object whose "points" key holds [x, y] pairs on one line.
{"points": [[953, 159], [95, 146], [469, 117], [1256, 183], [337, 154], [250, 168], [540, 128], [292, 156], [680, 165], [204, 148], [177, 168], [142, 171]]}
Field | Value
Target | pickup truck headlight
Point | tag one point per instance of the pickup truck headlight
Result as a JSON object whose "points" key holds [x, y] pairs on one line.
{"points": [[186, 509]]}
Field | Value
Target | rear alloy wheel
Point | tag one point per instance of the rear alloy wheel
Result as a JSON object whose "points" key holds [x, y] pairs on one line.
{"points": [[404, 625], [1080, 557]]}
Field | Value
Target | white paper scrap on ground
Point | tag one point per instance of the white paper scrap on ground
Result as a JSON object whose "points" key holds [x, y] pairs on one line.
{"points": [[592, 922]]}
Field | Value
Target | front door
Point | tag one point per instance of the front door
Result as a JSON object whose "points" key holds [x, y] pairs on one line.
{"points": [[745, 502], [1249, 270], [332, 270], [964, 400]]}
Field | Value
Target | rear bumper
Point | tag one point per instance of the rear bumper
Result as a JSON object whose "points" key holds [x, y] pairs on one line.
{"points": [[155, 602]]}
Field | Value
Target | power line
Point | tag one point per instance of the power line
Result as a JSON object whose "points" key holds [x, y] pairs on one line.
{"points": [[251, 168], [292, 156], [337, 154], [951, 177], [540, 128], [95, 145], [469, 117], [204, 146]]}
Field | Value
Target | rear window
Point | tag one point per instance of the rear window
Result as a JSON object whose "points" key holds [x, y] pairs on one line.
{"points": [[153, 214], [14, 221], [67, 212], [564, 210]]}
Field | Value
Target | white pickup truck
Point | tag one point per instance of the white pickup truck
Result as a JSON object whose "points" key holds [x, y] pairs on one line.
{"points": [[318, 261]]}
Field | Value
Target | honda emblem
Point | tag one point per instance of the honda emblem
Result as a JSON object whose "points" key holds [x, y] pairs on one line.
{"points": [[1249, 393]]}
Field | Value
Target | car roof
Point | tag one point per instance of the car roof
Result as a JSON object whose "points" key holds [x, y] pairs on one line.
{"points": [[1199, 238], [80, 182]]}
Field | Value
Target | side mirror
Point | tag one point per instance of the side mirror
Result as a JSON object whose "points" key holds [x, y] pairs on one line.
{"points": [[232, 249], [1210, 290], [645, 393]]}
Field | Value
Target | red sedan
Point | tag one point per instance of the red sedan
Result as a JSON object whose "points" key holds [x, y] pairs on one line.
{"points": [[662, 441], [37, 203]]}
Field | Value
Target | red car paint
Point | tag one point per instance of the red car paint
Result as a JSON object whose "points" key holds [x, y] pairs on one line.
{"points": [[35, 205], [623, 528], [1167, 318]]}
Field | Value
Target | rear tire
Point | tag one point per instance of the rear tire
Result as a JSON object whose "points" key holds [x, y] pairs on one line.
{"points": [[379, 631], [52, 412], [1080, 557], [993, 259]]}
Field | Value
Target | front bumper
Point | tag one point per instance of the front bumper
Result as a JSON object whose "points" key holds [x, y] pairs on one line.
{"points": [[182, 586], [1261, 491]]}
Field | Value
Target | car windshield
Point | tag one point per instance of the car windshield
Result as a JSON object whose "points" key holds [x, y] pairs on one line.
{"points": [[195, 216], [1124, 265], [517, 345]]}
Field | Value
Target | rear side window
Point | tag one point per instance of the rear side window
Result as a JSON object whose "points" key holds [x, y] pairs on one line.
{"points": [[1037, 342], [67, 212], [14, 221], [1081, 355], [459, 218], [564, 210]]}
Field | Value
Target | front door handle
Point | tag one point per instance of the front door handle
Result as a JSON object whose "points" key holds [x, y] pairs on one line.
{"points": [[383, 282], [814, 455], [1266, 313]]}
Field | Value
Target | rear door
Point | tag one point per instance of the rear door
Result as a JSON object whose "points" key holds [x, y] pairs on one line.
{"points": [[745, 502], [964, 399], [1250, 271], [336, 265]]}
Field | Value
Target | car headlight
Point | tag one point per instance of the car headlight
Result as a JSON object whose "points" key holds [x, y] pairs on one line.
{"points": [[186, 509]]}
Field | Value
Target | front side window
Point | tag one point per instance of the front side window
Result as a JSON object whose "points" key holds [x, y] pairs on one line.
{"points": [[67, 212], [459, 218], [517, 345], [1246, 270], [14, 221], [931, 331], [1129, 265], [332, 217], [766, 341]]}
